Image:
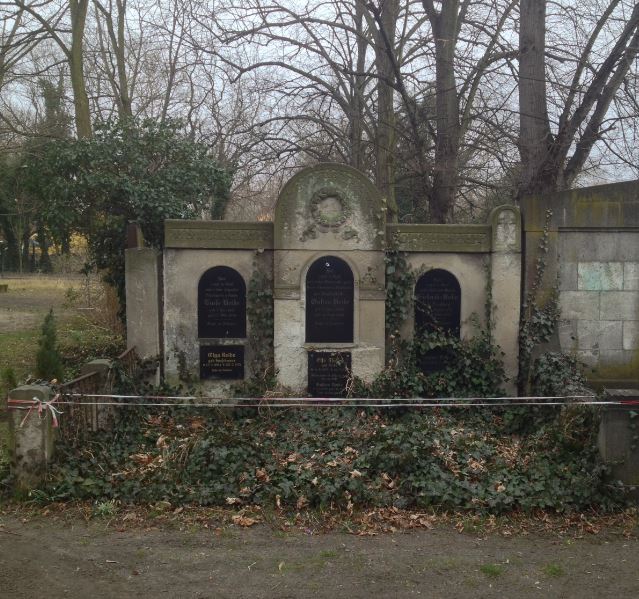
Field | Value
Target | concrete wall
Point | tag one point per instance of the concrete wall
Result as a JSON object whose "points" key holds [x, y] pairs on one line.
{"points": [[594, 249]]}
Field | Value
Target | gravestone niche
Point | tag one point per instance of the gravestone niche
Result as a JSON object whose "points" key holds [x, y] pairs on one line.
{"points": [[329, 301], [328, 373], [221, 304], [437, 308], [221, 361]]}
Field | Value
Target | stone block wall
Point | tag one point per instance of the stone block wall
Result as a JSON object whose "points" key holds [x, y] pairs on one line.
{"points": [[594, 250]]}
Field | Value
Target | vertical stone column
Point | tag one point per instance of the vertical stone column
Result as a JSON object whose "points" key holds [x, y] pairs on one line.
{"points": [[142, 275], [617, 445], [505, 281], [31, 438]]}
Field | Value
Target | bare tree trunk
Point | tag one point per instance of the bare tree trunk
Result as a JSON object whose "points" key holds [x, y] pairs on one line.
{"points": [[385, 155], [445, 26], [535, 138], [76, 68], [357, 116]]}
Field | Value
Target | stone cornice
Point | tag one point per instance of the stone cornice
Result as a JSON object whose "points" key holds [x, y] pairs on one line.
{"points": [[216, 234], [441, 238]]}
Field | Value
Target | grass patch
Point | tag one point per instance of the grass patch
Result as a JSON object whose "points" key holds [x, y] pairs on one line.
{"points": [[553, 570], [491, 570]]}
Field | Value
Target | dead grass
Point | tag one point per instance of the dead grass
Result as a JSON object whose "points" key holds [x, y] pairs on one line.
{"points": [[86, 318]]}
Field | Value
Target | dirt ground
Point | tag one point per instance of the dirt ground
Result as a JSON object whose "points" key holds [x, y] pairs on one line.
{"points": [[41, 557]]}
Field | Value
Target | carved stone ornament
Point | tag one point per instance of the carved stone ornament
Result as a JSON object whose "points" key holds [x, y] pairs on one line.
{"points": [[329, 209]]}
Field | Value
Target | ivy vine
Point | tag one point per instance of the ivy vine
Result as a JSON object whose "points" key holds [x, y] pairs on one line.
{"points": [[538, 321], [259, 310]]}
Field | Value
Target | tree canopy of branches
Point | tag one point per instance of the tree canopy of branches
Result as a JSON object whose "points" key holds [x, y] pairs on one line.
{"points": [[450, 106]]}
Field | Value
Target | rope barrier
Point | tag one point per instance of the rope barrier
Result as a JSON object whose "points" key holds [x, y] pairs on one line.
{"points": [[169, 401]]}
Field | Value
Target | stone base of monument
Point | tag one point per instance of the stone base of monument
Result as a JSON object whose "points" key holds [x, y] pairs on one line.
{"points": [[618, 439]]}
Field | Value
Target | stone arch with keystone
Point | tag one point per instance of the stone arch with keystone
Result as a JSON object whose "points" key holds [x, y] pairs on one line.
{"points": [[328, 210]]}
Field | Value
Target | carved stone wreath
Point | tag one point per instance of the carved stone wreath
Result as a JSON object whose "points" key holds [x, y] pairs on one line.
{"points": [[329, 209]]}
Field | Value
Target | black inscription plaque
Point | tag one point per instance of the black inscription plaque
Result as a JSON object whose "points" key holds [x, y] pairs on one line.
{"points": [[221, 304], [437, 308], [329, 301], [221, 361], [328, 373]]}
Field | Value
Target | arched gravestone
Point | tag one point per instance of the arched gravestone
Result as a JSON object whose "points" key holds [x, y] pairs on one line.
{"points": [[329, 301], [437, 308], [221, 304]]}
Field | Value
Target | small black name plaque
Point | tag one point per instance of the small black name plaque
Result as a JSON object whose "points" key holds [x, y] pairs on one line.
{"points": [[328, 373], [221, 361], [221, 304]]}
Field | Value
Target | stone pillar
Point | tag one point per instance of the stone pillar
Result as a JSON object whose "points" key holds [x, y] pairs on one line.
{"points": [[31, 438], [617, 442], [505, 280], [142, 275]]}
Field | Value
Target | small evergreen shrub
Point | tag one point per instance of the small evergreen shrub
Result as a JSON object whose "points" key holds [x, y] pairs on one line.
{"points": [[48, 358]]}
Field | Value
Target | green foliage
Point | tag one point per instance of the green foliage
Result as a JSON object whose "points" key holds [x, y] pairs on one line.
{"points": [[400, 282], [48, 358], [341, 457], [557, 374], [8, 377], [144, 172], [538, 319], [473, 368]]}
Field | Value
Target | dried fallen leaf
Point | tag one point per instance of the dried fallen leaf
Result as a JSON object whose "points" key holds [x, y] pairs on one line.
{"points": [[245, 521]]}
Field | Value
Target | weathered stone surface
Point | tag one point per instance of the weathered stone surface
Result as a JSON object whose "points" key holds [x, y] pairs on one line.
{"points": [[587, 246], [441, 238], [588, 357], [506, 229], [183, 269], [600, 276], [599, 334], [142, 275], [616, 441], [631, 276], [567, 330], [31, 439], [579, 305], [631, 335], [614, 205], [619, 305], [217, 234], [329, 206], [506, 301], [568, 277], [627, 245]]}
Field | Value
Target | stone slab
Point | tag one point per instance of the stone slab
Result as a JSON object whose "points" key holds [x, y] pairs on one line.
{"points": [[619, 305], [600, 276], [580, 305], [441, 238], [631, 276], [631, 335], [215, 234], [599, 334]]}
